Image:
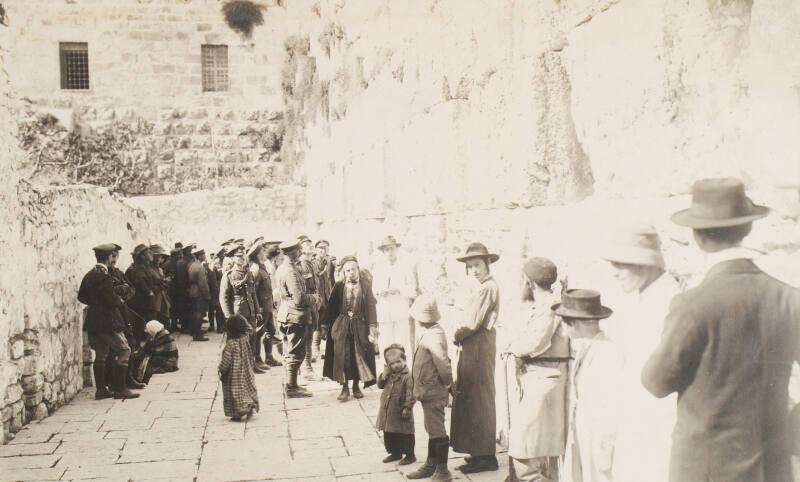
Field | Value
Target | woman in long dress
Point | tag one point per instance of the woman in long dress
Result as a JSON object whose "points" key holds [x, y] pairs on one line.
{"points": [[351, 322], [473, 422]]}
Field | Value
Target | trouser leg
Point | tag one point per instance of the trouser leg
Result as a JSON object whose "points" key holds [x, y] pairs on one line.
{"points": [[294, 347], [434, 416], [537, 469], [210, 318]]}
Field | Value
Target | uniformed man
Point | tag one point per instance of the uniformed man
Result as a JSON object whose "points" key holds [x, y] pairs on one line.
{"points": [[294, 315], [308, 272], [104, 324], [273, 256], [140, 275], [199, 293], [184, 309], [170, 271], [214, 279], [124, 289], [263, 288]]}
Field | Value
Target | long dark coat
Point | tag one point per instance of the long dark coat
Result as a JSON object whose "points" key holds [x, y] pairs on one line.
{"points": [[340, 324], [474, 420], [727, 350]]}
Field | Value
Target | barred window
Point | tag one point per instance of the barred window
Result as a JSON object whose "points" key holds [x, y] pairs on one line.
{"points": [[215, 67], [74, 65]]}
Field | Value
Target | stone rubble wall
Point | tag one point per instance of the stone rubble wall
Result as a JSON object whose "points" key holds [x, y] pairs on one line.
{"points": [[145, 73]]}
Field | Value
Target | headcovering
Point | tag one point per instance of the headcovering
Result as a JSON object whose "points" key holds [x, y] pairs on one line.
{"points": [[221, 253], [290, 245], [254, 247], [478, 250], [176, 251], [153, 327], [238, 241], [179, 245], [106, 248], [346, 260], [227, 242], [189, 247], [232, 250], [272, 251], [425, 309], [541, 271], [719, 203], [581, 304], [639, 245], [388, 241], [321, 241], [117, 247], [157, 250], [139, 249], [197, 251]]}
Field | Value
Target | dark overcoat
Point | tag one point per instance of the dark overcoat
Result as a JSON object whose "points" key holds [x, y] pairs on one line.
{"points": [[103, 312], [364, 317], [727, 350]]}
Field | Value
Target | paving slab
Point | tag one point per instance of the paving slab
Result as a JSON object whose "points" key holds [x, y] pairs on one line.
{"points": [[160, 452], [28, 449], [24, 475], [28, 462]]}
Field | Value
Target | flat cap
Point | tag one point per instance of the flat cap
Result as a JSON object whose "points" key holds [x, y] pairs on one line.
{"points": [[106, 248], [303, 239], [288, 246], [139, 249]]}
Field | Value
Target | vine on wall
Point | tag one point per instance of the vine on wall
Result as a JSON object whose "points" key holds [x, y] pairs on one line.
{"points": [[116, 156]]}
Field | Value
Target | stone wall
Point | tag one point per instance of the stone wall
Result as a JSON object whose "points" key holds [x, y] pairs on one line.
{"points": [[210, 217], [145, 73]]}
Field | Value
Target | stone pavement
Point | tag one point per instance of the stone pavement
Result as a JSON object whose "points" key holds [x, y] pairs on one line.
{"points": [[177, 431]]}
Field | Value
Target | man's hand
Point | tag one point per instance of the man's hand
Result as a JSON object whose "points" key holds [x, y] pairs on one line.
{"points": [[406, 413], [373, 334]]}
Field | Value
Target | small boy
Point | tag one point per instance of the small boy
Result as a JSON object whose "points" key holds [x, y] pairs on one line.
{"points": [[433, 378], [395, 417]]}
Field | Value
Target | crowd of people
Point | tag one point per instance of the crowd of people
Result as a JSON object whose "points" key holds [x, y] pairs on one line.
{"points": [[679, 386]]}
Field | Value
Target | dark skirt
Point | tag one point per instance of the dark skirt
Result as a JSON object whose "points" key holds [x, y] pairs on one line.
{"points": [[399, 443], [348, 354]]}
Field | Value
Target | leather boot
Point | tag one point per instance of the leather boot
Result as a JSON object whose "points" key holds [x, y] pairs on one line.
{"points": [[120, 390], [357, 390], [101, 391], [483, 463], [442, 474], [292, 389], [344, 395], [131, 383], [429, 467], [271, 361]]}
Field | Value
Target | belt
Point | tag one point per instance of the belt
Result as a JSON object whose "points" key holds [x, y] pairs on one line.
{"points": [[526, 359]]}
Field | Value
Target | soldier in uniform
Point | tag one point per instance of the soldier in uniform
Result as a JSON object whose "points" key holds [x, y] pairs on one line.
{"points": [[214, 272], [294, 315], [161, 285], [184, 308], [263, 286], [140, 276], [326, 267], [170, 271], [308, 271], [125, 290], [105, 326], [272, 254], [237, 293], [199, 293]]}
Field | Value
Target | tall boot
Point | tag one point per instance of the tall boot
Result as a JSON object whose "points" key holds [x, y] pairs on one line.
{"points": [[442, 474], [308, 370], [429, 467], [315, 345], [271, 361], [131, 382], [292, 389], [120, 390], [100, 388]]}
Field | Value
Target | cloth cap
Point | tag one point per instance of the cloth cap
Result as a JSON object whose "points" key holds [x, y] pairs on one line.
{"points": [[639, 245], [106, 248], [719, 203], [541, 271], [153, 327], [139, 249], [425, 309], [346, 260], [157, 250]]}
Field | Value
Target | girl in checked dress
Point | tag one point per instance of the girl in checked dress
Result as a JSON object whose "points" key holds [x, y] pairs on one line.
{"points": [[240, 397]]}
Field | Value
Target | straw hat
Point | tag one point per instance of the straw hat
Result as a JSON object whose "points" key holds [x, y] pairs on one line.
{"points": [[581, 304], [639, 245], [719, 203]]}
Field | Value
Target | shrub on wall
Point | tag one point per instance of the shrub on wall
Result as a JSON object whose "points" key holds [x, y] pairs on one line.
{"points": [[115, 156], [243, 15]]}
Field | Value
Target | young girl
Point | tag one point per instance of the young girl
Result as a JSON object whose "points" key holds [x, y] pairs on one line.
{"points": [[240, 397], [395, 417]]}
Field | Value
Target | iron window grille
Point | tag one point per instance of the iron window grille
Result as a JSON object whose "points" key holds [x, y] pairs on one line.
{"points": [[74, 65], [215, 67]]}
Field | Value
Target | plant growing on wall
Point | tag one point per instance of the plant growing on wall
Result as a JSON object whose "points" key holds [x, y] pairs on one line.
{"points": [[115, 156], [243, 15]]}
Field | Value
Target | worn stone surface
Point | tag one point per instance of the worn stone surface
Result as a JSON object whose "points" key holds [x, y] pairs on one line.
{"points": [[316, 439]]}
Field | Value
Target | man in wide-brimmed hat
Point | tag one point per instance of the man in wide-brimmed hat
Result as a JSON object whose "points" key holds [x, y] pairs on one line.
{"points": [[727, 350], [540, 350], [140, 275], [596, 390], [396, 286], [645, 434], [474, 419]]}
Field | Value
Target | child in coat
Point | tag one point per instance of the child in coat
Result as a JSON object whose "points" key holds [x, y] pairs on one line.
{"points": [[395, 417], [433, 378], [240, 397]]}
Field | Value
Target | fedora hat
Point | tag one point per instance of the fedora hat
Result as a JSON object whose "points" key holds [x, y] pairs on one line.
{"points": [[719, 203], [581, 304], [139, 249], [425, 309], [157, 250], [478, 250], [388, 241], [639, 245]]}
